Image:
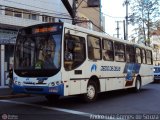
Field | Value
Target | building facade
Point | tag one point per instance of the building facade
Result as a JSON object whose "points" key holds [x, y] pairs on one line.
{"points": [[91, 10]]}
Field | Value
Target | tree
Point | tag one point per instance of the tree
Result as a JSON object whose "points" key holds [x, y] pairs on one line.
{"points": [[144, 14], [157, 24]]}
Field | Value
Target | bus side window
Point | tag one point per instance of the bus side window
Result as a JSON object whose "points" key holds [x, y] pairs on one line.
{"points": [[74, 51], [119, 51], [94, 48], [130, 56], [143, 56], [149, 57], [69, 52], [108, 51], [138, 55]]}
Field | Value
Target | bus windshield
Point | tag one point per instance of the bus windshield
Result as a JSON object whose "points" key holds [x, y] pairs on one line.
{"points": [[38, 55]]}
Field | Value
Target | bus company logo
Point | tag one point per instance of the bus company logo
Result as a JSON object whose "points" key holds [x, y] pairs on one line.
{"points": [[94, 67], [41, 79]]}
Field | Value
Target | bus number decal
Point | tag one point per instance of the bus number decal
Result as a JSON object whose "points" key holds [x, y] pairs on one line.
{"points": [[110, 68]]}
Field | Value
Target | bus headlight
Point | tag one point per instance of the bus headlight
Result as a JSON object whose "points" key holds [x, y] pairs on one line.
{"points": [[51, 84], [57, 83], [17, 83]]}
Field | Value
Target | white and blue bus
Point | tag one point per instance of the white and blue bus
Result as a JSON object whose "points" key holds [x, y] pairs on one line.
{"points": [[59, 59]]}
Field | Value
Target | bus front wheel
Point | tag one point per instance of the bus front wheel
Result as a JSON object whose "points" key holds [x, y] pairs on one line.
{"points": [[91, 94]]}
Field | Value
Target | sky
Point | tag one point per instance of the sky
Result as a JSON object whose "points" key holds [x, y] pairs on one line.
{"points": [[113, 11]]}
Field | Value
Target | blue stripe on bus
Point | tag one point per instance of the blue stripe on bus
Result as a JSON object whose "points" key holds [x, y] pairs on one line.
{"points": [[131, 69], [59, 90]]}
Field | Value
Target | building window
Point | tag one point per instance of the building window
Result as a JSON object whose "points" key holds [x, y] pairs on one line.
{"points": [[21, 13], [47, 18], [26, 15], [9, 11], [34, 16], [108, 51], [17, 13], [119, 51], [94, 48], [44, 19]]}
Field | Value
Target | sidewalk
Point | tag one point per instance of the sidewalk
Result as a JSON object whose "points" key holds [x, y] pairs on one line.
{"points": [[6, 93]]}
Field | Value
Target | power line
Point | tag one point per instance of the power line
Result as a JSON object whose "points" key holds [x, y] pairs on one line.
{"points": [[63, 14], [61, 18], [78, 21], [59, 12], [97, 20], [28, 11], [44, 2], [79, 4], [104, 13], [93, 18], [34, 12], [37, 7]]}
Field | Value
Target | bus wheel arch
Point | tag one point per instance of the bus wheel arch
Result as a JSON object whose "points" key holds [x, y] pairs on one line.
{"points": [[96, 80], [138, 84], [93, 87]]}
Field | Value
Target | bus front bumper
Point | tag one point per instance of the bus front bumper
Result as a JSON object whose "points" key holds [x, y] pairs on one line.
{"points": [[44, 90]]}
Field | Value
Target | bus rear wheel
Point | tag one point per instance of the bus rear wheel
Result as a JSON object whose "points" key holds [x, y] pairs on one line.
{"points": [[137, 87], [91, 94]]}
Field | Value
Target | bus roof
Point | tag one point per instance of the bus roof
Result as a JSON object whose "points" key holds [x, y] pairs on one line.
{"points": [[103, 35], [91, 32]]}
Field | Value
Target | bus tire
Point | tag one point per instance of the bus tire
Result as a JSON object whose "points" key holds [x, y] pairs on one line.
{"points": [[91, 94], [52, 98], [137, 87]]}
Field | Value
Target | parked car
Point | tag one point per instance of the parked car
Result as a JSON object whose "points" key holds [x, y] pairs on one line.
{"points": [[156, 73]]}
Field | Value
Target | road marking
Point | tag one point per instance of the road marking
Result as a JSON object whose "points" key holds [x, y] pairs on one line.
{"points": [[91, 116], [49, 108]]}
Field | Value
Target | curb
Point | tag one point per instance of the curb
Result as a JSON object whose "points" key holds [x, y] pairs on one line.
{"points": [[14, 96]]}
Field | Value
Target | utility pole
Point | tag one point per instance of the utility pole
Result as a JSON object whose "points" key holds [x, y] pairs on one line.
{"points": [[126, 3], [74, 12], [71, 10], [124, 29], [148, 35], [118, 28]]}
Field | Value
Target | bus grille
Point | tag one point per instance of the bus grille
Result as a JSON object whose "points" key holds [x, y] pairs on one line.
{"points": [[34, 89]]}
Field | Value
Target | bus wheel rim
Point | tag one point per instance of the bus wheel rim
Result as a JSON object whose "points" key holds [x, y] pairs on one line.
{"points": [[138, 85], [91, 92]]}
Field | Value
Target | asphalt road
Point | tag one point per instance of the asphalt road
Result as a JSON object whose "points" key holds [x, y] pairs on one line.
{"points": [[122, 104]]}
